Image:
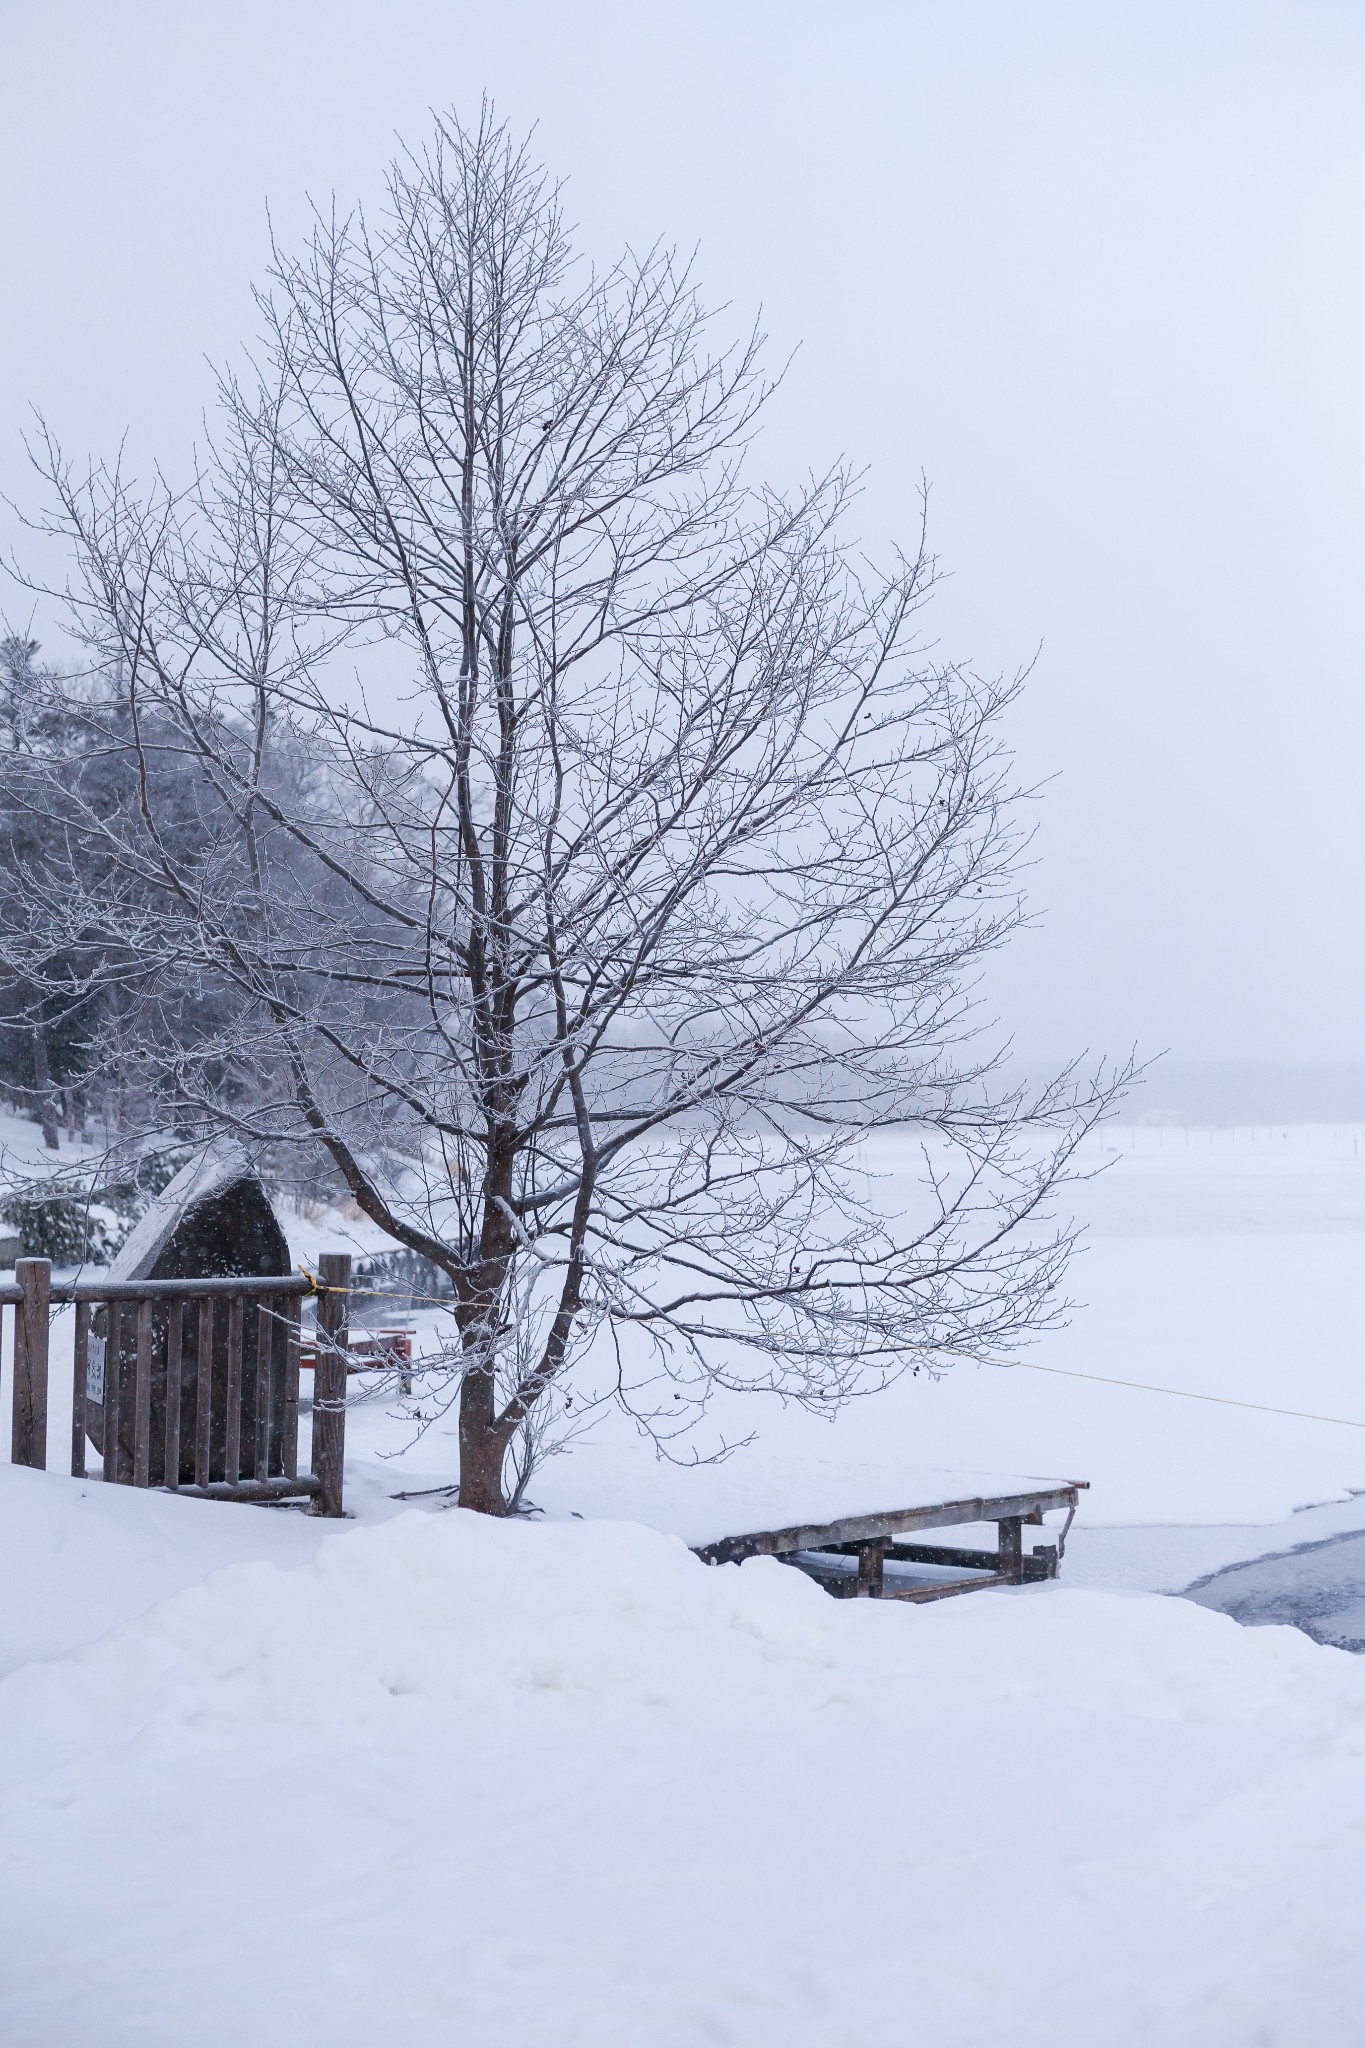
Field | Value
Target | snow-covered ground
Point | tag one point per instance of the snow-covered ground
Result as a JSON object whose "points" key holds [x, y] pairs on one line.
{"points": [[453, 1781], [423, 1778]]}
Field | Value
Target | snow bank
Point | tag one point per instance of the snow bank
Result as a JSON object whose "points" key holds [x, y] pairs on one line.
{"points": [[82, 1557], [457, 1781]]}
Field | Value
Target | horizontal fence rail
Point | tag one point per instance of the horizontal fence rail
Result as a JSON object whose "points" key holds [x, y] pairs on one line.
{"points": [[226, 1285], [192, 1384]]}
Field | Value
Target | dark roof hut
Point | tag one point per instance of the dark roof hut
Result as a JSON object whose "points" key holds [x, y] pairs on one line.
{"points": [[213, 1219]]}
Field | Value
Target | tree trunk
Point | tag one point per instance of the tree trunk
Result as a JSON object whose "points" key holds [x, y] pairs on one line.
{"points": [[482, 1448], [42, 1082]]}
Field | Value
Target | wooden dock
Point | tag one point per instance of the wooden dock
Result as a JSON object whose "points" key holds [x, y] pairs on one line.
{"points": [[849, 1557]]}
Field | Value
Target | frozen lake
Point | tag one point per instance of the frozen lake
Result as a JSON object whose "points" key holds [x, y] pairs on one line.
{"points": [[1222, 1264]]}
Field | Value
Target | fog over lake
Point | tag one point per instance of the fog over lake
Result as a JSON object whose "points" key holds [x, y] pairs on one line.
{"points": [[1095, 272]]}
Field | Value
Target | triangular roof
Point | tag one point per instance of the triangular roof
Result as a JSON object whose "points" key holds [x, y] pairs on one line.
{"points": [[220, 1166]]}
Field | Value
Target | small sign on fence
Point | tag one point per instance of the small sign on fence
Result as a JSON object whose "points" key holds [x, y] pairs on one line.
{"points": [[94, 1373]]}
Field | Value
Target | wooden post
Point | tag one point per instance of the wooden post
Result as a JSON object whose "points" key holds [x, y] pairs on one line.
{"points": [[28, 1435], [232, 1470], [142, 1397], [289, 1451], [329, 1381], [1010, 1550], [871, 1570], [80, 1369], [113, 1387], [175, 1341], [203, 1394], [265, 1374]]}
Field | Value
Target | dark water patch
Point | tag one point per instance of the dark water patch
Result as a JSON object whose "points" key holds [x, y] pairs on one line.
{"points": [[1316, 1587]]}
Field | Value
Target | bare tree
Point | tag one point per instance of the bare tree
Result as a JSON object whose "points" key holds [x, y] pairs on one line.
{"points": [[644, 862], [25, 1025]]}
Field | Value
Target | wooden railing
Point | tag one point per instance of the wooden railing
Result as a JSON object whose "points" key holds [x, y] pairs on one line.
{"points": [[193, 1394]]}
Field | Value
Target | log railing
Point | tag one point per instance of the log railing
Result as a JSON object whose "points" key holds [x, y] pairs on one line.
{"points": [[193, 1385]]}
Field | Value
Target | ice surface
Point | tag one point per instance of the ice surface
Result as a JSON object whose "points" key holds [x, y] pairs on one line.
{"points": [[1229, 1297], [1223, 1263]]}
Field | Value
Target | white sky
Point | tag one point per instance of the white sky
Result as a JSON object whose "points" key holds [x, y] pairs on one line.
{"points": [[1097, 269]]}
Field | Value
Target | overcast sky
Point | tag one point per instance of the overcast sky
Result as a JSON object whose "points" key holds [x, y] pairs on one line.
{"points": [[1096, 269]]}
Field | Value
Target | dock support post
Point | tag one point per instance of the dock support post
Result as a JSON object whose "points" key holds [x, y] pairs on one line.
{"points": [[871, 1570], [1010, 1549]]}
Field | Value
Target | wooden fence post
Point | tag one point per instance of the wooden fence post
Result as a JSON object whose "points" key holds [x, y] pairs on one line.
{"points": [[80, 1380], [329, 1381], [28, 1437]]}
